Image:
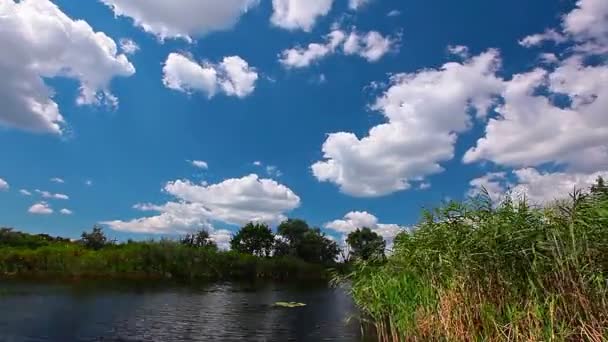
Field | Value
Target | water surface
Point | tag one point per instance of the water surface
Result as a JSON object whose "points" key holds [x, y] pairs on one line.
{"points": [[136, 312]]}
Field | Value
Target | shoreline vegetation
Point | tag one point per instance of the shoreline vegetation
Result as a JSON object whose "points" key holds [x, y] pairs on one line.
{"points": [[302, 253], [486, 271]]}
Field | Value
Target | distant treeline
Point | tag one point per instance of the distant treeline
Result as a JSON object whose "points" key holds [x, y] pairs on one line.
{"points": [[297, 251], [481, 271]]}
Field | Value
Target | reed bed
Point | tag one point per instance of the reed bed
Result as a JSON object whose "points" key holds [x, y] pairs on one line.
{"points": [[478, 271]]}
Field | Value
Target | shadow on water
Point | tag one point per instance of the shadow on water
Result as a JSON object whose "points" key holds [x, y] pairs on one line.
{"points": [[140, 311]]}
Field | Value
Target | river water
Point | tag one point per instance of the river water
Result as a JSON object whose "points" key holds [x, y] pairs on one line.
{"points": [[142, 312]]}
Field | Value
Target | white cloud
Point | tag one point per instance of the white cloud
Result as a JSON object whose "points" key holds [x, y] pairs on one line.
{"points": [[182, 18], [257, 163], [88, 182], [299, 14], [358, 4], [273, 171], [41, 208], [492, 183], [233, 76], [45, 43], [233, 201], [24, 192], [537, 187], [65, 211], [586, 25], [424, 186], [539, 38], [532, 130], [424, 113], [57, 180], [3, 185], [359, 219], [128, 46], [458, 50], [548, 58], [46, 194], [371, 45], [221, 237], [394, 13], [199, 164]]}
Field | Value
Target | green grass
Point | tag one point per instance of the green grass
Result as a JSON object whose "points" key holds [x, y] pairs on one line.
{"points": [[160, 260], [477, 272]]}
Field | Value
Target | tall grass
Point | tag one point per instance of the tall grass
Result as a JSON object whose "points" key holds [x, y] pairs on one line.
{"points": [[159, 260], [478, 272]]}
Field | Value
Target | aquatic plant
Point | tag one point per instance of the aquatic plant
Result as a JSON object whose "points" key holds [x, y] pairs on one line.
{"points": [[506, 272]]}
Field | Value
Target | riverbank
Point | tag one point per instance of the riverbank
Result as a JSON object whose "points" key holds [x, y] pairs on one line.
{"points": [[507, 272], [151, 260]]}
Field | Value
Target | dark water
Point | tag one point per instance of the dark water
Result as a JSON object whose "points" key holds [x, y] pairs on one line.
{"points": [[136, 312]]}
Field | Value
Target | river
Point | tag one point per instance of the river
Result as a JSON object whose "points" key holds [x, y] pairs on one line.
{"points": [[93, 311]]}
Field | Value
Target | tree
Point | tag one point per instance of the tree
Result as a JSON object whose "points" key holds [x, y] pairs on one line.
{"points": [[293, 230], [253, 238], [366, 244], [306, 243], [200, 239], [96, 239], [599, 190]]}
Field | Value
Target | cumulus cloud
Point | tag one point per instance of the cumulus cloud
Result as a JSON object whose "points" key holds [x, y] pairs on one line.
{"points": [[536, 186], [65, 211], [233, 76], [299, 14], [3, 185], [41, 208], [181, 18], [586, 25], [371, 45], [128, 46], [532, 129], [45, 43], [424, 113], [359, 219], [234, 201], [46, 194], [199, 164]]}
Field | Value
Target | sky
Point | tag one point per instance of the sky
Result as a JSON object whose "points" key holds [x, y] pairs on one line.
{"points": [[157, 118]]}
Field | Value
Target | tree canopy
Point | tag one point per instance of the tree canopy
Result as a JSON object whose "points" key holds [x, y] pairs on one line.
{"points": [[200, 239], [366, 244], [253, 238]]}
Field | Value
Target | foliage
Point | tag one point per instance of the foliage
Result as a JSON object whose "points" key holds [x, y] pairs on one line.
{"points": [[511, 272], [200, 239], [306, 243], [253, 238], [10, 237], [96, 239], [366, 244], [164, 259]]}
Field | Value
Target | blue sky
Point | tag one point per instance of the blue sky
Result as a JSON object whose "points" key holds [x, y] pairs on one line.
{"points": [[367, 126]]}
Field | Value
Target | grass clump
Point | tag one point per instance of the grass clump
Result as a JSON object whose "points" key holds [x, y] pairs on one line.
{"points": [[477, 271]]}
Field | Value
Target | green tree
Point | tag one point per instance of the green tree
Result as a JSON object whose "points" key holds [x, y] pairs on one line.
{"points": [[306, 243], [366, 244], [200, 239], [599, 190], [253, 238], [96, 239], [293, 230]]}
